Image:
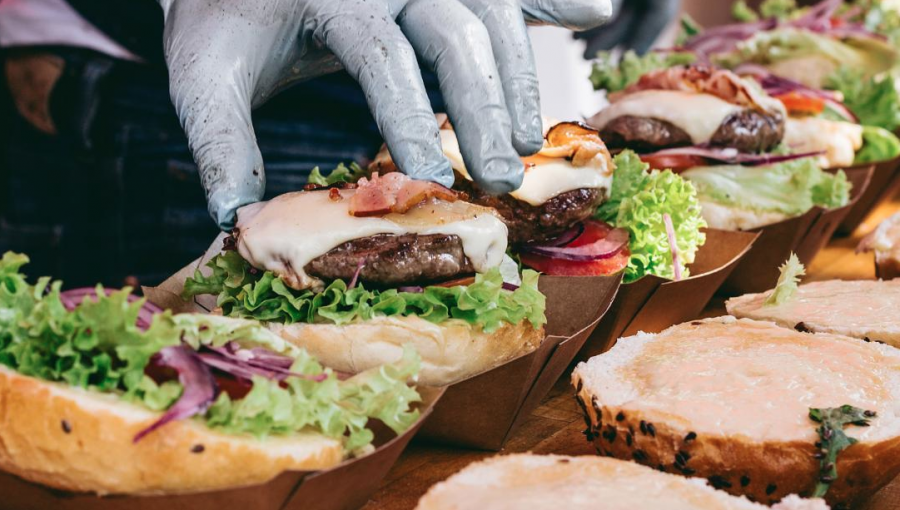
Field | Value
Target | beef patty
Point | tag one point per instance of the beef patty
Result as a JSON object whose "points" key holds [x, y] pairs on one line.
{"points": [[746, 131], [393, 260], [529, 223]]}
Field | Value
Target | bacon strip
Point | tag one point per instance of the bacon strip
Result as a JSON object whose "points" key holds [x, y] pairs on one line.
{"points": [[394, 193], [701, 79]]}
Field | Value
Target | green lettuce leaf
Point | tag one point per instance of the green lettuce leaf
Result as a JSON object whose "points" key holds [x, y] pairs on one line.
{"points": [[688, 28], [863, 55], [878, 145], [638, 200], [613, 74], [788, 281], [790, 188], [341, 173], [98, 347], [244, 292], [874, 101]]}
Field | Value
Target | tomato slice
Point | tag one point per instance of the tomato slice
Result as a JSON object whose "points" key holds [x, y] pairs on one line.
{"points": [[676, 162], [800, 103], [593, 232]]}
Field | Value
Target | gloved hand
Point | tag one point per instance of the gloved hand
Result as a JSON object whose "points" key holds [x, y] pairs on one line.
{"points": [[227, 56], [636, 25]]}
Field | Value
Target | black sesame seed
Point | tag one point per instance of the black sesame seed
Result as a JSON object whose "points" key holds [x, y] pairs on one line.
{"points": [[643, 427], [198, 448], [629, 439], [745, 481], [870, 414], [66, 426], [682, 457], [690, 437], [771, 488], [688, 471], [718, 482], [620, 416], [651, 430], [661, 468], [611, 433], [639, 455], [696, 323], [801, 327]]}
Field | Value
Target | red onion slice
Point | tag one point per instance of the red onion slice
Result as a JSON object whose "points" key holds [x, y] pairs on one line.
{"points": [[601, 249], [411, 289], [245, 363], [568, 236], [200, 388], [359, 268], [74, 297], [730, 155]]}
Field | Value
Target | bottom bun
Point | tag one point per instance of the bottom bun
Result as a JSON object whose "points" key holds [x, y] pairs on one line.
{"points": [[82, 441], [539, 482], [451, 351], [723, 217]]}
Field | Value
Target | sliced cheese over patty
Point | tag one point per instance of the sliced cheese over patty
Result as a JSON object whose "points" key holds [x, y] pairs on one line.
{"points": [[544, 179], [698, 115], [839, 140], [286, 233], [861, 308], [747, 378]]}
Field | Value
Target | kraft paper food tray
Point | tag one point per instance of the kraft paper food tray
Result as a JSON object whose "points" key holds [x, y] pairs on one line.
{"points": [[804, 235], [483, 410], [652, 304], [345, 487], [885, 183]]}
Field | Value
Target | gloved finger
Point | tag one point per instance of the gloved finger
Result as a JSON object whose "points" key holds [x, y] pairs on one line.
{"points": [[654, 17], [575, 15], [612, 35], [452, 40], [518, 75], [211, 91], [369, 44]]}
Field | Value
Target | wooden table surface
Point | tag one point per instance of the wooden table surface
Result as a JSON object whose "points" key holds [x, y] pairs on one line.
{"points": [[556, 426]]}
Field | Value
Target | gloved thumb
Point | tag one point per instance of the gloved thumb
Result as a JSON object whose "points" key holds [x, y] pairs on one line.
{"points": [[215, 112]]}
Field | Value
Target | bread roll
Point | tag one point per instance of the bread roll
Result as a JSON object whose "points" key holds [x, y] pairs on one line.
{"points": [[884, 242], [80, 440], [864, 309], [550, 482], [451, 351], [728, 400]]}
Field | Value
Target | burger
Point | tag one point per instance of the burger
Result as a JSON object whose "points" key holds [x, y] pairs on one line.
{"points": [[354, 272], [582, 212], [105, 394], [723, 133]]}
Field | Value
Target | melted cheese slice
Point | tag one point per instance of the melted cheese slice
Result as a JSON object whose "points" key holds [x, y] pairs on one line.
{"points": [[545, 179], [740, 377], [698, 115], [286, 233], [840, 140]]}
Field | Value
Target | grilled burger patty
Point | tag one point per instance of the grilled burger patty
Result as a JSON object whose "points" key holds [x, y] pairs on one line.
{"points": [[746, 131], [526, 222], [392, 260]]}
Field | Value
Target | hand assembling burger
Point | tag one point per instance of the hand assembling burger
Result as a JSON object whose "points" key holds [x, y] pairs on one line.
{"points": [[581, 212], [354, 273]]}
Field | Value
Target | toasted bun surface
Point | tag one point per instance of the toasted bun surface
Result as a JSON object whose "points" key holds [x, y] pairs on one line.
{"points": [[550, 482], [723, 217], [450, 351], [728, 400], [79, 440], [865, 309]]}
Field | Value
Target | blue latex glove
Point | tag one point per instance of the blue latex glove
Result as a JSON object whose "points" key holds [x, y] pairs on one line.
{"points": [[227, 56], [636, 25]]}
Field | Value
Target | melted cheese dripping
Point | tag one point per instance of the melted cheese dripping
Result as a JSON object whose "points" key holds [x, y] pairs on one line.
{"points": [[698, 115], [545, 177], [286, 233]]}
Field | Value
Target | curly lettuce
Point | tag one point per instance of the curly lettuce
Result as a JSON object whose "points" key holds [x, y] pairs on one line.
{"points": [[246, 292], [874, 101], [638, 200], [790, 188], [878, 145], [97, 346], [788, 281], [340, 174], [613, 74]]}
